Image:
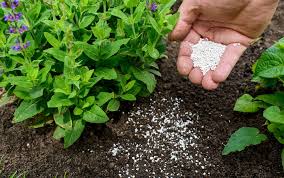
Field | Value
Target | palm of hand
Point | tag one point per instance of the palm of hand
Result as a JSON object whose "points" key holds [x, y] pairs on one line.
{"points": [[225, 22]]}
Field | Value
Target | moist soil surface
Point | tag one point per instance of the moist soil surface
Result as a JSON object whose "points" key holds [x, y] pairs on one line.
{"points": [[205, 120]]}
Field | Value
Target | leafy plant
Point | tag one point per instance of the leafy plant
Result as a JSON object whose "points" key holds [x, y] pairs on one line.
{"points": [[72, 62], [268, 72]]}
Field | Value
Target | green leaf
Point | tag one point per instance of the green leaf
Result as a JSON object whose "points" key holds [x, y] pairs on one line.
{"points": [[246, 104], [95, 115], [28, 94], [59, 100], [77, 111], [104, 97], [271, 58], [20, 81], [139, 12], [41, 121], [243, 138], [52, 40], [154, 24], [101, 30], [58, 133], [106, 73], [130, 3], [167, 7], [27, 110], [113, 105], [91, 51], [71, 136], [128, 97], [147, 78], [115, 47], [129, 85], [276, 99], [273, 72], [56, 53], [274, 114], [5, 99], [86, 21], [277, 130], [118, 13], [64, 119], [153, 52]]}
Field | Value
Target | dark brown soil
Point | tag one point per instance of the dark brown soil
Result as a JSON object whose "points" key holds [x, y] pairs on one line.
{"points": [[37, 153]]}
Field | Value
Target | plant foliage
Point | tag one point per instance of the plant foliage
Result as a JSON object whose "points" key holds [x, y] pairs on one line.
{"points": [[77, 60], [268, 72]]}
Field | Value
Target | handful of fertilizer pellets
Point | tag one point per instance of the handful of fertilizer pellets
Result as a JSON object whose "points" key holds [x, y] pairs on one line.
{"points": [[206, 55]]}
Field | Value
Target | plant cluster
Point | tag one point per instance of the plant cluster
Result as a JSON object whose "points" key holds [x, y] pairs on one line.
{"points": [[71, 62], [268, 72]]}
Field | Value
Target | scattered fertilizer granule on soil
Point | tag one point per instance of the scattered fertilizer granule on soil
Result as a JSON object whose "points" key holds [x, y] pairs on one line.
{"points": [[167, 142], [206, 55]]}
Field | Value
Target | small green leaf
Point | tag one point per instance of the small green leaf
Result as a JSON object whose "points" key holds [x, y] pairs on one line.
{"points": [[118, 13], [95, 115], [101, 30], [113, 105], [56, 53], [153, 52], [5, 99], [115, 47], [274, 114], [139, 12], [91, 51], [59, 100], [52, 40], [20, 81], [128, 97], [272, 59], [131, 3], [27, 110], [276, 99], [273, 72], [154, 24], [58, 133], [86, 21], [77, 111], [147, 78], [129, 85], [28, 94], [243, 138], [106, 73], [246, 104], [104, 97], [64, 119], [71, 136]]}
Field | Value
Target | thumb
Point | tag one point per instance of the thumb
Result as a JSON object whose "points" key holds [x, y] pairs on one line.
{"points": [[188, 14]]}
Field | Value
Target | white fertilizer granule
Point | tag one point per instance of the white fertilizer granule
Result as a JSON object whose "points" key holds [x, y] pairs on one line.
{"points": [[206, 55], [167, 142]]}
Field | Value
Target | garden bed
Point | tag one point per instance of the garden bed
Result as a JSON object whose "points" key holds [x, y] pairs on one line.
{"points": [[206, 120]]}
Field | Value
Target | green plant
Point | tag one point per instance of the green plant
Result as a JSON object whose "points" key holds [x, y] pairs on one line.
{"points": [[268, 72], [73, 61]]}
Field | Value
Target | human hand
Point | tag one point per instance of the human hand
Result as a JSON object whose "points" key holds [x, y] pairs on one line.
{"points": [[222, 21]]}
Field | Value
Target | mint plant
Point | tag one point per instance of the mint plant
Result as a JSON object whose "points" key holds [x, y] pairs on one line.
{"points": [[71, 62], [268, 72]]}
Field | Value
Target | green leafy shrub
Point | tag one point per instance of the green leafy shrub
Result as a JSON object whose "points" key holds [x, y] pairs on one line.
{"points": [[268, 72], [72, 62]]}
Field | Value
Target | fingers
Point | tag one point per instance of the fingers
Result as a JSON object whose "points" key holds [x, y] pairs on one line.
{"points": [[208, 83], [220, 35], [229, 59], [184, 63], [188, 14], [196, 76]]}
